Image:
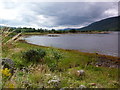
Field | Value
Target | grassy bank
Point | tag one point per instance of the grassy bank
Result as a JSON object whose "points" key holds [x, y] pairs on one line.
{"points": [[92, 32], [60, 65], [33, 33]]}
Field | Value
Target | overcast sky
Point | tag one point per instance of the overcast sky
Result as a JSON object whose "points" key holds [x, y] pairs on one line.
{"points": [[54, 14]]}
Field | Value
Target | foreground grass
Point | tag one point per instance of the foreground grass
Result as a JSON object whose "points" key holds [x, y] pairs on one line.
{"points": [[41, 73]]}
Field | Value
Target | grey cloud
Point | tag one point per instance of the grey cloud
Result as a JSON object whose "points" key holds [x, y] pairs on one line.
{"points": [[74, 13], [67, 13], [14, 23]]}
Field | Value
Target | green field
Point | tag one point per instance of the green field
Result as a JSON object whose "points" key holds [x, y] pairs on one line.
{"points": [[60, 65]]}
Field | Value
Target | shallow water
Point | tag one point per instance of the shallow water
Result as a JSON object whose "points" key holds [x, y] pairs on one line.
{"points": [[101, 43]]}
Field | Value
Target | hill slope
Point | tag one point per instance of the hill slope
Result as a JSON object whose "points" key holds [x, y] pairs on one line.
{"points": [[111, 24]]}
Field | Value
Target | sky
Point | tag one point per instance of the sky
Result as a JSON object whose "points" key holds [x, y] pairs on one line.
{"points": [[57, 15]]}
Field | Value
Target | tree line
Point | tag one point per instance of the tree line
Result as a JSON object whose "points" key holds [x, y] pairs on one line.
{"points": [[41, 30]]}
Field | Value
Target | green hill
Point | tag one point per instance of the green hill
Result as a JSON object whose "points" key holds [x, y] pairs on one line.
{"points": [[109, 24]]}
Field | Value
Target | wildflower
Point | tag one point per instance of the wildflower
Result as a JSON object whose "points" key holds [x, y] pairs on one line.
{"points": [[6, 72], [10, 85]]}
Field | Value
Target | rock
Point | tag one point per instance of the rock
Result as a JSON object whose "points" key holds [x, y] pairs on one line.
{"points": [[48, 74], [8, 63], [82, 86], [98, 64], [55, 83], [92, 84], [113, 66], [80, 72], [106, 63]]}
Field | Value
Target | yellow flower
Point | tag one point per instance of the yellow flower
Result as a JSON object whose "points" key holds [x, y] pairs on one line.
{"points": [[10, 85], [6, 72]]}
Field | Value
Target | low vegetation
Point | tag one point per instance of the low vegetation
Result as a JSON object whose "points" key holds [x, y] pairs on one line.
{"points": [[57, 69], [34, 55], [48, 67]]}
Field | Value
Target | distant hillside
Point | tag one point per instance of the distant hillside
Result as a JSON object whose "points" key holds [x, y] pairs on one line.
{"points": [[67, 29], [111, 24]]}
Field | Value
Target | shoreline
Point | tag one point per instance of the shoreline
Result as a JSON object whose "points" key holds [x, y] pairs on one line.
{"points": [[62, 48], [103, 55], [100, 60], [93, 32]]}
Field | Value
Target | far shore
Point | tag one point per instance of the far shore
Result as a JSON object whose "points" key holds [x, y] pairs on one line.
{"points": [[93, 32]]}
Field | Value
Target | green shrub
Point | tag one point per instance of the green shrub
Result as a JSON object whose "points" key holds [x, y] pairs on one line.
{"points": [[56, 54], [34, 55], [53, 58]]}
